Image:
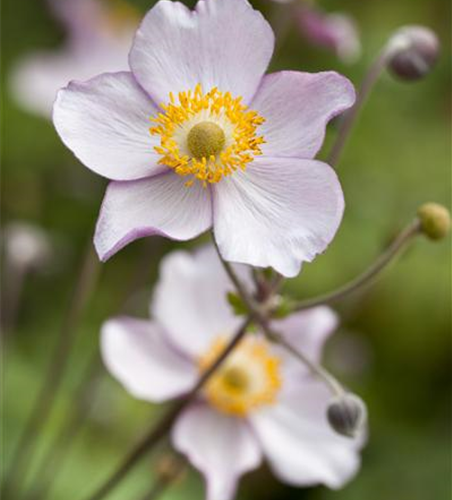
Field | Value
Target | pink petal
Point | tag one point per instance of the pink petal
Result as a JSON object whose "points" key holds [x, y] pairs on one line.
{"points": [[279, 213], [190, 299], [223, 43], [161, 205], [221, 447], [135, 352], [299, 444], [308, 330], [297, 107], [105, 122]]}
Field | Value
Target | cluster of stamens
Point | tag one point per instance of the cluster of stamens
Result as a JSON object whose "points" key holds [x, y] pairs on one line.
{"points": [[248, 379], [206, 136]]}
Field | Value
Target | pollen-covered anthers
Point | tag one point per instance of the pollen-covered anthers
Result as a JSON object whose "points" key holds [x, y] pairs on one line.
{"points": [[207, 136], [249, 378]]}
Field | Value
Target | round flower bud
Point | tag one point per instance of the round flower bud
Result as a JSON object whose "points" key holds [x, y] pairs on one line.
{"points": [[412, 52], [435, 220], [347, 415]]}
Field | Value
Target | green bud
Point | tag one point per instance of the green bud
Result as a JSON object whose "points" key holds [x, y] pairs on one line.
{"points": [[435, 220]]}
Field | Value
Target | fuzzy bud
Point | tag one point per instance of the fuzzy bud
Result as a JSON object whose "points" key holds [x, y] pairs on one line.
{"points": [[412, 52], [347, 415], [435, 220]]}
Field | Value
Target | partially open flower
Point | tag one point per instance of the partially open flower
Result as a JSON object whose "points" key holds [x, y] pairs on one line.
{"points": [[195, 136], [412, 52], [334, 31], [261, 402]]}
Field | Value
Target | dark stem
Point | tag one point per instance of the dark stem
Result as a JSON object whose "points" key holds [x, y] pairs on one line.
{"points": [[86, 392], [350, 116], [43, 403], [165, 423]]}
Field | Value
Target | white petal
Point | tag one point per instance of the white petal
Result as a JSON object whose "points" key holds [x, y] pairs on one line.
{"points": [[135, 352], [299, 444], [308, 330], [105, 122], [190, 299], [221, 447], [161, 205], [223, 43], [297, 107], [278, 213]]}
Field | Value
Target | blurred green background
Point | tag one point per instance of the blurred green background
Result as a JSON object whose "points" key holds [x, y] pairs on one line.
{"points": [[394, 344]]}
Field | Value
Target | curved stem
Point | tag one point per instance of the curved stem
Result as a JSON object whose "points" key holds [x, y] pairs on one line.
{"points": [[45, 399], [368, 276], [316, 369], [349, 119], [164, 425]]}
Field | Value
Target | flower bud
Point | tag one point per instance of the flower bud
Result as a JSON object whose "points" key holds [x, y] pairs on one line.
{"points": [[347, 415], [435, 220], [412, 52]]}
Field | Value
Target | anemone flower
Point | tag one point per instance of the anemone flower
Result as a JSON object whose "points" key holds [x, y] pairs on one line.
{"points": [[196, 136], [260, 403], [98, 40]]}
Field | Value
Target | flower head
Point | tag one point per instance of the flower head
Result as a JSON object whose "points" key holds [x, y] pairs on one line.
{"points": [[259, 403], [195, 136]]}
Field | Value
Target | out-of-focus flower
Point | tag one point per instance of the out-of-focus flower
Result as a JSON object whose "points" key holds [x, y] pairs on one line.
{"points": [[26, 245], [99, 35], [260, 402], [229, 147], [334, 31]]}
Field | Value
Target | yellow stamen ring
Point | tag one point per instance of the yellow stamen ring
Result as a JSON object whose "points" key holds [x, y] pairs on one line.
{"points": [[206, 136], [248, 379]]}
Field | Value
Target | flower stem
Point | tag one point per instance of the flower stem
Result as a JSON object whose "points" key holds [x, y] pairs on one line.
{"points": [[257, 315], [87, 278], [164, 425], [369, 275], [349, 119], [316, 369]]}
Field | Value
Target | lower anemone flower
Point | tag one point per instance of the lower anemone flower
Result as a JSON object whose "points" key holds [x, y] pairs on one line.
{"points": [[260, 402], [196, 136]]}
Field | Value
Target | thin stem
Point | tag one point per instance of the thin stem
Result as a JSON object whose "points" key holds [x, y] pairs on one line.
{"points": [[349, 119], [368, 276], [57, 453], [86, 393], [316, 369], [43, 404], [166, 421], [165, 480]]}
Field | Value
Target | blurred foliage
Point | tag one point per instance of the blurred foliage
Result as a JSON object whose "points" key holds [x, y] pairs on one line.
{"points": [[394, 345]]}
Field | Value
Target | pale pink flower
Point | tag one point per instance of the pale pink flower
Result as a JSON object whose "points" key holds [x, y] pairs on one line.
{"points": [[261, 403], [210, 159], [98, 40]]}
